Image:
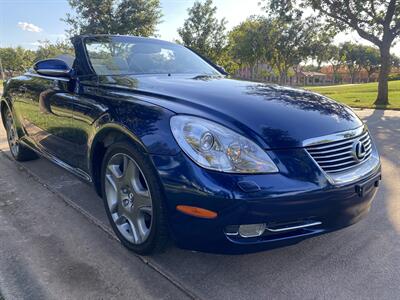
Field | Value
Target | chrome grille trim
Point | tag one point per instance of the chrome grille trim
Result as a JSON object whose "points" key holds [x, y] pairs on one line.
{"points": [[334, 155], [335, 137], [330, 149]]}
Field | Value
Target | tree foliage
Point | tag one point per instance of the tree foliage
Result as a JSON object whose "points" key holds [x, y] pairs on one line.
{"points": [[293, 41], [16, 59], [370, 60], [203, 32], [47, 49], [247, 43], [281, 42], [350, 53], [135, 17], [334, 57], [321, 46]]}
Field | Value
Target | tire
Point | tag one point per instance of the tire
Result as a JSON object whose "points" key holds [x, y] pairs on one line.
{"points": [[18, 151], [129, 185]]}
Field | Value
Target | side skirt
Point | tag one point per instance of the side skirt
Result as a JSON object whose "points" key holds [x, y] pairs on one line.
{"points": [[77, 172]]}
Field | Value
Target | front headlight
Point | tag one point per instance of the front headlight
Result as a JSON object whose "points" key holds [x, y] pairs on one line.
{"points": [[215, 147]]}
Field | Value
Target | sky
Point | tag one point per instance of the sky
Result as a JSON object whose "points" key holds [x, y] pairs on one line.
{"points": [[25, 22]]}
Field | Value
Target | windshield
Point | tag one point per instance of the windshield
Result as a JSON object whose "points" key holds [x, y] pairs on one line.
{"points": [[129, 55]]}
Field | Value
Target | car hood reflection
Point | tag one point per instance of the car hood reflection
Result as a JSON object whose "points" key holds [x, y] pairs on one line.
{"points": [[281, 117]]}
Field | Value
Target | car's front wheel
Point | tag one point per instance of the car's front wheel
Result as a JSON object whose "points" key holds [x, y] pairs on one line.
{"points": [[133, 199], [18, 151]]}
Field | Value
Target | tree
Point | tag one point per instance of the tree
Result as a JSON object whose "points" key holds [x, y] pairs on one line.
{"points": [[16, 60], [203, 32], [28, 57], [377, 21], [135, 17], [358, 57], [335, 59], [370, 60], [290, 42], [247, 43], [321, 47], [352, 55], [50, 50], [9, 61]]}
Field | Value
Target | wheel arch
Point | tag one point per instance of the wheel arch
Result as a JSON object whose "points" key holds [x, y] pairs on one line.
{"points": [[3, 106], [104, 138]]}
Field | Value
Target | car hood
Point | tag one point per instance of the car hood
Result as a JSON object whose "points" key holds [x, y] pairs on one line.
{"points": [[278, 117]]}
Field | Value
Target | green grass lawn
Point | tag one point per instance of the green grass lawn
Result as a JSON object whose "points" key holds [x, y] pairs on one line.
{"points": [[360, 95]]}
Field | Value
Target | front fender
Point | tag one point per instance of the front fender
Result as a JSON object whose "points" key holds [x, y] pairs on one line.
{"points": [[3, 105], [146, 124]]}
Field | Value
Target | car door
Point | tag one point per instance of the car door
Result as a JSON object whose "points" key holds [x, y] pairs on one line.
{"points": [[25, 102], [54, 111], [67, 110]]}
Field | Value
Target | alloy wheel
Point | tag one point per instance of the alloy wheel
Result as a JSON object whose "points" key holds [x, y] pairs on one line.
{"points": [[128, 198], [12, 134]]}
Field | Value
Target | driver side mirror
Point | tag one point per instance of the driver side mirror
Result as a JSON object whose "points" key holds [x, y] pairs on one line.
{"points": [[53, 67]]}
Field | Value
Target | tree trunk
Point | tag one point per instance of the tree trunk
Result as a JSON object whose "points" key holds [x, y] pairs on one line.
{"points": [[383, 89], [353, 75], [3, 77], [283, 78], [252, 67]]}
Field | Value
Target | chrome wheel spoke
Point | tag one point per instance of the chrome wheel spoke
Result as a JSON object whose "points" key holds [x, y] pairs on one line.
{"points": [[115, 171], [147, 209], [111, 180], [114, 176], [139, 223], [135, 232], [124, 166], [131, 172], [114, 207], [121, 220], [143, 202]]}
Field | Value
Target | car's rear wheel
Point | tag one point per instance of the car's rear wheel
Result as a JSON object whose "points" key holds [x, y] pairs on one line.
{"points": [[133, 199], [18, 151]]}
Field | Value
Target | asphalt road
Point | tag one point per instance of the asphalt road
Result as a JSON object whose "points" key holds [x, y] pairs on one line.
{"points": [[55, 242]]}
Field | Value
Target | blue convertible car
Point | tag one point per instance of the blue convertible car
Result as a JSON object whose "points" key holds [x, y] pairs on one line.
{"points": [[179, 151]]}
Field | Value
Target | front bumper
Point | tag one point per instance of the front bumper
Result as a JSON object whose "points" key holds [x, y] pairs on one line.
{"points": [[300, 194]]}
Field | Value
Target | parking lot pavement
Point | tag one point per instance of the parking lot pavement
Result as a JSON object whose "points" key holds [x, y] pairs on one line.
{"points": [[47, 247], [50, 251]]}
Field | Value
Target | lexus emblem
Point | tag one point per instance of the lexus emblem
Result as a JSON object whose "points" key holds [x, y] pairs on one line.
{"points": [[359, 150]]}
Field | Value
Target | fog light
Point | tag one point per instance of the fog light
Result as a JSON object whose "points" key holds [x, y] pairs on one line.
{"points": [[251, 230]]}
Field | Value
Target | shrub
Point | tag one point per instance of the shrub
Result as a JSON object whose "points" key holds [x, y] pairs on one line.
{"points": [[393, 77]]}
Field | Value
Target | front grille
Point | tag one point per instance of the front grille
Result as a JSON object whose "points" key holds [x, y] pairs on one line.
{"points": [[340, 155]]}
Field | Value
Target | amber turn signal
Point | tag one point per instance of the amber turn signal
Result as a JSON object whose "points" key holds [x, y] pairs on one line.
{"points": [[197, 211]]}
